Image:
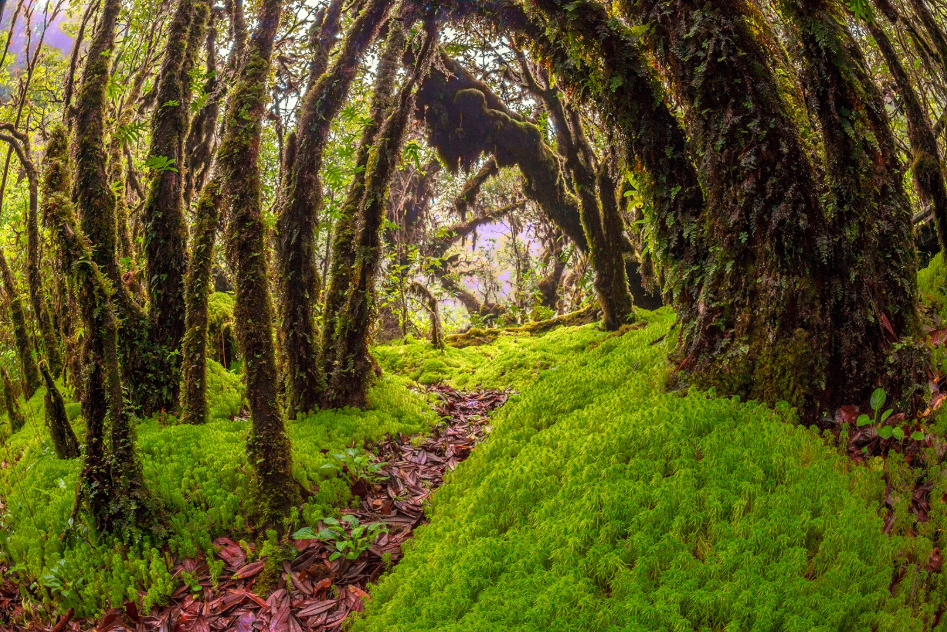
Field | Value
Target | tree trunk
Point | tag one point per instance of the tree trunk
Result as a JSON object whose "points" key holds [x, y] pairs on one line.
{"points": [[165, 227], [268, 447], [24, 347], [111, 481], [65, 443], [196, 290], [14, 414], [870, 217], [21, 144], [348, 384], [302, 201], [927, 162]]}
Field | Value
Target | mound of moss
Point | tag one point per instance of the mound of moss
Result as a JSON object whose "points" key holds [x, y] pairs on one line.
{"points": [[601, 503], [510, 359], [197, 475]]}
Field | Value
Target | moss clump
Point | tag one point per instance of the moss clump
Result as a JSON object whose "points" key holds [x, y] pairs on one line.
{"points": [[601, 502]]}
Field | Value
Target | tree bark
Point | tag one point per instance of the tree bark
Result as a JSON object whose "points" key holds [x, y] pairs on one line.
{"points": [[24, 347], [302, 201], [268, 446], [14, 414], [870, 216], [165, 226], [65, 443]]}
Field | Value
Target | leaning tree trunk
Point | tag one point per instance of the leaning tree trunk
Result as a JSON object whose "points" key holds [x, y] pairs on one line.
{"points": [[346, 230], [94, 200], [24, 348], [14, 414], [430, 304], [298, 215], [870, 213], [348, 384], [111, 482], [926, 166], [165, 226], [761, 329], [65, 443], [268, 446], [20, 142]]}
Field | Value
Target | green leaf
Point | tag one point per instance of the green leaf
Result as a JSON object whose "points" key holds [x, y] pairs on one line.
{"points": [[334, 557], [886, 414], [917, 435], [306, 533], [885, 432], [160, 163], [898, 433], [863, 420], [878, 398]]}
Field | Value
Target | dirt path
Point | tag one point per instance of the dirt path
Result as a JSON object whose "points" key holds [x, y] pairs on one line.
{"points": [[311, 592]]}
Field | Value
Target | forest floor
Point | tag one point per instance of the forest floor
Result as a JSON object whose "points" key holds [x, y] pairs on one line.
{"points": [[313, 592], [601, 501]]}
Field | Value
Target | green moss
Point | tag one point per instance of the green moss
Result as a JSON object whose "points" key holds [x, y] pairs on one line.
{"points": [[601, 502], [511, 359], [198, 474]]}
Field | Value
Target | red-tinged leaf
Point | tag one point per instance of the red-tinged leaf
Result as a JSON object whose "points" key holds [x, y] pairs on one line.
{"points": [[322, 584], [245, 622], [254, 598], [230, 552], [935, 563], [887, 325], [294, 625], [317, 608], [250, 570], [847, 414]]}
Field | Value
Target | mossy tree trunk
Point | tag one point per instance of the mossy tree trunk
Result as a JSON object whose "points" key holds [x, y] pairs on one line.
{"points": [[21, 336], [430, 304], [196, 290], [20, 143], [238, 158], [344, 251], [165, 226], [302, 198], [65, 443], [348, 384], [14, 414], [870, 216], [111, 482], [200, 144], [95, 204], [927, 164]]}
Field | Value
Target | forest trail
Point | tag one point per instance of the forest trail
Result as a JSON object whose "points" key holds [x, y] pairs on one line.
{"points": [[312, 592]]}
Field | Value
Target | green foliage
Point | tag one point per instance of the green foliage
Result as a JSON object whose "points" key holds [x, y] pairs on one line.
{"points": [[197, 473], [160, 163], [511, 360], [603, 503], [356, 465], [348, 536]]}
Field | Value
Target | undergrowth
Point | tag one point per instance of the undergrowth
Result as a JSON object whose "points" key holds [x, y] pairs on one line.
{"points": [[601, 502], [198, 477]]}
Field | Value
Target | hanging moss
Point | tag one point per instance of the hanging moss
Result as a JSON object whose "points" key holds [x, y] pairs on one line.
{"points": [[65, 443], [870, 215], [471, 189], [302, 201], [14, 414], [268, 446]]}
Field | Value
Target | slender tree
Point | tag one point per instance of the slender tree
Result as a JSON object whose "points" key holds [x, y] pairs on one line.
{"points": [[65, 443], [14, 414], [268, 446], [21, 336]]}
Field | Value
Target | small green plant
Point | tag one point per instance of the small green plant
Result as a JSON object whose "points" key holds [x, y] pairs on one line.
{"points": [[877, 401], [357, 465], [160, 163], [347, 544]]}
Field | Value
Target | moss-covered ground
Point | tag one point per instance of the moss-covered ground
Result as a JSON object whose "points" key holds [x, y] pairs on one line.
{"points": [[599, 502]]}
